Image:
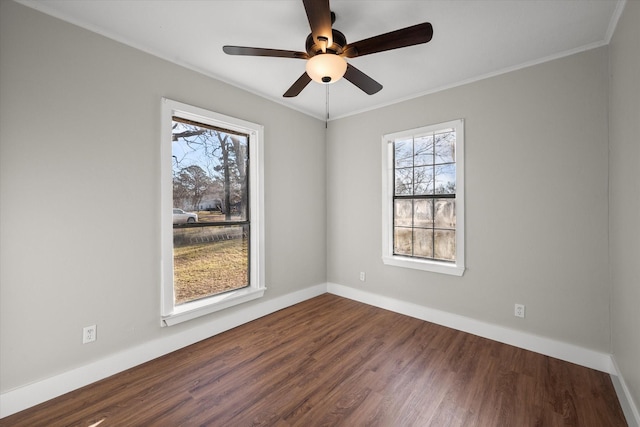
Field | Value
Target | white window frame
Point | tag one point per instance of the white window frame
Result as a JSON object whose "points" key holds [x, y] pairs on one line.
{"points": [[456, 268], [172, 314]]}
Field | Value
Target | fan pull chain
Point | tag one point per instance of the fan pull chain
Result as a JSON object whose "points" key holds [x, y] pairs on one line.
{"points": [[326, 122]]}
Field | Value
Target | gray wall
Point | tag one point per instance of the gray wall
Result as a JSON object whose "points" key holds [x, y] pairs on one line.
{"points": [[536, 207], [624, 196], [79, 162]]}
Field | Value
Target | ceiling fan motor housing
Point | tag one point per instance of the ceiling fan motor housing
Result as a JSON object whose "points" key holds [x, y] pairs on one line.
{"points": [[337, 47]]}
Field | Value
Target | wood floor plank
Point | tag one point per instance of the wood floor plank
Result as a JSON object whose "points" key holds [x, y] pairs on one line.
{"points": [[330, 361]]}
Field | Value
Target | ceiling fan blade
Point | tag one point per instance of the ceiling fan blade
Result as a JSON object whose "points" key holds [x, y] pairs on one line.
{"points": [[259, 51], [404, 37], [360, 79], [319, 15], [297, 87]]}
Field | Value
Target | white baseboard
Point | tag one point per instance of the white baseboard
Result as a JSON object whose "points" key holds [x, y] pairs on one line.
{"points": [[629, 407], [549, 347], [33, 394]]}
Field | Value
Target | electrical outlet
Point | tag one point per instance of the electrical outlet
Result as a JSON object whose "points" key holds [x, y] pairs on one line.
{"points": [[89, 334], [362, 276], [519, 310]]}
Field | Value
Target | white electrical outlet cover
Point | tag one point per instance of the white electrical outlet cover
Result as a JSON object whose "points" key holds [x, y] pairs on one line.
{"points": [[89, 334]]}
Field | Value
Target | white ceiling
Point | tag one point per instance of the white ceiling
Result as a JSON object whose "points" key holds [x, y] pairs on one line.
{"points": [[472, 39]]}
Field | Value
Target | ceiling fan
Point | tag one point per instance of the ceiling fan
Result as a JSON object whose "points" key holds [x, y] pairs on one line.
{"points": [[326, 49]]}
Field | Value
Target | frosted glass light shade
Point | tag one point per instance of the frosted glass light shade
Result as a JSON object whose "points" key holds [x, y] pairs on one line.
{"points": [[326, 68]]}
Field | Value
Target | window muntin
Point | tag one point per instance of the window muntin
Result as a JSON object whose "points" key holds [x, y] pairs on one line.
{"points": [[423, 207], [212, 236]]}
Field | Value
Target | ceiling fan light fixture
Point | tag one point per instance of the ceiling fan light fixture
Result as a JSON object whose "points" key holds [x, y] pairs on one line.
{"points": [[326, 68]]}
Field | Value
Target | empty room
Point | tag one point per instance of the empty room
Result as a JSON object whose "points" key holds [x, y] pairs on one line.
{"points": [[314, 213]]}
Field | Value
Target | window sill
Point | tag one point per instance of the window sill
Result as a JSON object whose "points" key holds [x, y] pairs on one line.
{"points": [[205, 306], [425, 265]]}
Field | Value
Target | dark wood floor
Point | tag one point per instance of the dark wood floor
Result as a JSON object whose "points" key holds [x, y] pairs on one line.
{"points": [[330, 361]]}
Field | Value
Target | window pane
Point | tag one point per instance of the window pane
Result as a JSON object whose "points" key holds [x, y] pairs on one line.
{"points": [[423, 213], [445, 179], [209, 171], [445, 245], [423, 242], [445, 147], [404, 182], [445, 213], [209, 260], [403, 213], [402, 241], [423, 180], [403, 153], [423, 150]]}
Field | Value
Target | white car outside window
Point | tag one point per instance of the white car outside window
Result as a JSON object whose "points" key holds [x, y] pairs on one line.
{"points": [[182, 217]]}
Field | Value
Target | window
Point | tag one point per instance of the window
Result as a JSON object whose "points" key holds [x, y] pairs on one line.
{"points": [[211, 201], [423, 198]]}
